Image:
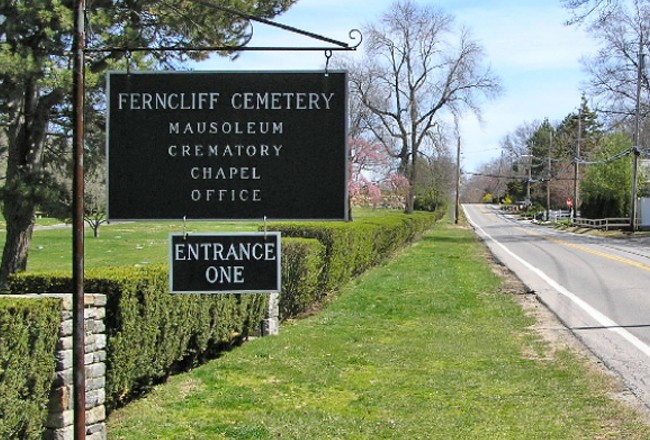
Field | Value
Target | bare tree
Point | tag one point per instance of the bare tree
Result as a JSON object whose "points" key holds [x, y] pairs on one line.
{"points": [[488, 183], [614, 70], [95, 200], [517, 143], [590, 10], [418, 70]]}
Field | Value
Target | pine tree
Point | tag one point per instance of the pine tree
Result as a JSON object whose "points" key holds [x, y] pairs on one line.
{"points": [[36, 78]]}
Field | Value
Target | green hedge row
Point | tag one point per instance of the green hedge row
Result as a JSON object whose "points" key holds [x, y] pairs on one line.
{"points": [[150, 333], [302, 262], [29, 331], [351, 248]]}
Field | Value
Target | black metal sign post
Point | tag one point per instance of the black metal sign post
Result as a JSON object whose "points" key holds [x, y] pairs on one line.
{"points": [[79, 330]]}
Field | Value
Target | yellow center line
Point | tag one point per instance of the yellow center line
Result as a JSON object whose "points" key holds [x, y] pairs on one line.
{"points": [[588, 250]]}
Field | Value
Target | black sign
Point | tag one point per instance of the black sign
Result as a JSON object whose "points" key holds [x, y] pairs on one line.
{"points": [[225, 263], [223, 145]]}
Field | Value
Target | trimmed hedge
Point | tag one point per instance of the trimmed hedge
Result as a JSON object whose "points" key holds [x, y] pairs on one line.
{"points": [[353, 247], [29, 331], [151, 333], [302, 262]]}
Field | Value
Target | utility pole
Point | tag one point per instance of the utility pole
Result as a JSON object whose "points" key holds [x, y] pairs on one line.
{"points": [[530, 178], [548, 178], [635, 172], [457, 205], [500, 172], [576, 168], [637, 135]]}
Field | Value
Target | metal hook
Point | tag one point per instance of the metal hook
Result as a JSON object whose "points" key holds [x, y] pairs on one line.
{"points": [[264, 227], [185, 233], [127, 55], [328, 55]]}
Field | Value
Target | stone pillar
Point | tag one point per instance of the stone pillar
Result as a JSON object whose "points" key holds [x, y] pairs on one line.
{"points": [[59, 423], [271, 322]]}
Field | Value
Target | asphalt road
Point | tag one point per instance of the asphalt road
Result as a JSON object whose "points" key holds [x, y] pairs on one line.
{"points": [[598, 287]]}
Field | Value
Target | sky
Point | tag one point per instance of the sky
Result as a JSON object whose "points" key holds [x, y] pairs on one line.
{"points": [[527, 44]]}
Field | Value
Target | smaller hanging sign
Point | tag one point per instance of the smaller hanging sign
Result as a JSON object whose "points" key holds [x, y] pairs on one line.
{"points": [[225, 263]]}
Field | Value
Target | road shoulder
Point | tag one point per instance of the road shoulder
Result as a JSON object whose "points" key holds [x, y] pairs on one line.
{"points": [[560, 338]]}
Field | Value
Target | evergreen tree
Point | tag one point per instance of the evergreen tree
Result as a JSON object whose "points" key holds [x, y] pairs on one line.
{"points": [[605, 189], [36, 79], [578, 133]]}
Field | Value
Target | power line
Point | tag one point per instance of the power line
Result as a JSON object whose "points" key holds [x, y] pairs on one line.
{"points": [[611, 159], [532, 180], [614, 158]]}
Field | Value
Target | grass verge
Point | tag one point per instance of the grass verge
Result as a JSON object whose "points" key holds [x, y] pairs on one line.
{"points": [[425, 347]]}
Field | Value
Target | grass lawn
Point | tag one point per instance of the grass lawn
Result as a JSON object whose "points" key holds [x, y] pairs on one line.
{"points": [[136, 243], [425, 347]]}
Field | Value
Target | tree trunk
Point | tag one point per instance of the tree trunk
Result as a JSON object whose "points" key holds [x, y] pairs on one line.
{"points": [[410, 200], [20, 225], [94, 225], [26, 138]]}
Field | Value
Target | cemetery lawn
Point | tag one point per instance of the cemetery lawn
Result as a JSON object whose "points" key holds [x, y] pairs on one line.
{"points": [[432, 345], [118, 244], [128, 243]]}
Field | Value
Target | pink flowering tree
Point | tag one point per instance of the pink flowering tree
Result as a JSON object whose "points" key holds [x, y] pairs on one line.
{"points": [[372, 181], [399, 188], [368, 166]]}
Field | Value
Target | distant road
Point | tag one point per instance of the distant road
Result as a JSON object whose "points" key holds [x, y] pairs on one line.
{"points": [[599, 287]]}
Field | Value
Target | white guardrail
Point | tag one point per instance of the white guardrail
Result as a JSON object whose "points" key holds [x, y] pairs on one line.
{"points": [[561, 214], [602, 223]]}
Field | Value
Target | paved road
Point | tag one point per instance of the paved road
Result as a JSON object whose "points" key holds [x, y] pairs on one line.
{"points": [[598, 287]]}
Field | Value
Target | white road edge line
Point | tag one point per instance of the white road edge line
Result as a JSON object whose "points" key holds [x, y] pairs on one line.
{"points": [[603, 320]]}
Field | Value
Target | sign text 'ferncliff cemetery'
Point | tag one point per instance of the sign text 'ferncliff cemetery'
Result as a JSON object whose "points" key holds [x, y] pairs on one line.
{"points": [[238, 145], [233, 263]]}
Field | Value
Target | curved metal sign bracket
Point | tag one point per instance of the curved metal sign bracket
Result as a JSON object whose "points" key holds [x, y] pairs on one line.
{"points": [[354, 35]]}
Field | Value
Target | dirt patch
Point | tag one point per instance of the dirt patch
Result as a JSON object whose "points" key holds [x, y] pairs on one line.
{"points": [[559, 337]]}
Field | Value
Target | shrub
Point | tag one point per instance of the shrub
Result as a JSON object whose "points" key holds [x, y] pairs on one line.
{"points": [[29, 331], [351, 248], [302, 262], [151, 333]]}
